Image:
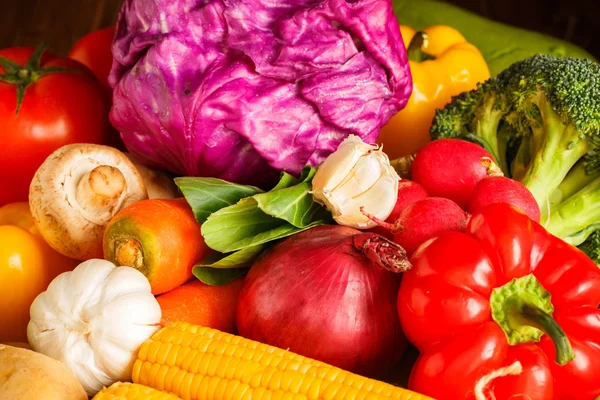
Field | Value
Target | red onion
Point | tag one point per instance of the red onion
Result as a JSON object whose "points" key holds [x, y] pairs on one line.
{"points": [[328, 293]]}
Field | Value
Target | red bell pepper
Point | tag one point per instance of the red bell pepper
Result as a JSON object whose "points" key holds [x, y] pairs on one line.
{"points": [[505, 308]]}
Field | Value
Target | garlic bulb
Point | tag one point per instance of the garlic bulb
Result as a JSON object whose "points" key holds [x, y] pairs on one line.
{"points": [[93, 320], [356, 175]]}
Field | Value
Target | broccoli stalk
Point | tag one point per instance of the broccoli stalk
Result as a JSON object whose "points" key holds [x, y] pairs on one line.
{"points": [[486, 126], [559, 148], [520, 162], [578, 216], [576, 179]]}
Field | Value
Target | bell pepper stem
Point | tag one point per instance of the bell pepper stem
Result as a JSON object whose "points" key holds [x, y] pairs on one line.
{"points": [[523, 310], [415, 48], [535, 317]]}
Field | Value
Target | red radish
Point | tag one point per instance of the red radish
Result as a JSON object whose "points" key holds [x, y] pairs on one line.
{"points": [[408, 193], [500, 189], [328, 293], [451, 168], [424, 220]]}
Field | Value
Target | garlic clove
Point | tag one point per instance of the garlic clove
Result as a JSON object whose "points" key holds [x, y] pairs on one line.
{"points": [[339, 163], [378, 201], [363, 176], [356, 175]]}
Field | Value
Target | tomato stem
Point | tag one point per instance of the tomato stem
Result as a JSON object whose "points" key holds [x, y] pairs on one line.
{"points": [[24, 75]]}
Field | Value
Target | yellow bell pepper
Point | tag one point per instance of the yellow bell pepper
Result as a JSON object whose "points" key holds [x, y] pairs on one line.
{"points": [[443, 64], [27, 266]]}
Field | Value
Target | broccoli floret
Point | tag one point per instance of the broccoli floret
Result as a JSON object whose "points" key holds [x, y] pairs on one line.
{"points": [[591, 247], [540, 119], [475, 116], [556, 104]]}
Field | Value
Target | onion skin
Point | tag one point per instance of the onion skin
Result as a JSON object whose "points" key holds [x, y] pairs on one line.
{"points": [[318, 294]]}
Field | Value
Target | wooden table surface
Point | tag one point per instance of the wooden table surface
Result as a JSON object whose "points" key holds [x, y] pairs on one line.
{"points": [[60, 23]]}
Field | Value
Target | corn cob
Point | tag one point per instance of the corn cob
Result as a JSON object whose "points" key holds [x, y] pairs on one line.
{"points": [[132, 391], [198, 363]]}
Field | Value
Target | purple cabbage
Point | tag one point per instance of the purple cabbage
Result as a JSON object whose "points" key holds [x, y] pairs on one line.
{"points": [[240, 90]]}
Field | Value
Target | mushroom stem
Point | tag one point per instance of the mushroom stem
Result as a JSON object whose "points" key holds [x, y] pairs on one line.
{"points": [[99, 190]]}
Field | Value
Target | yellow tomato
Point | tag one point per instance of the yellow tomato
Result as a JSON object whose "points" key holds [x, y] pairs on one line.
{"points": [[23, 276], [27, 266]]}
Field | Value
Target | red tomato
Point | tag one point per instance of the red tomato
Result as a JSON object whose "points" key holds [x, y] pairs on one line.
{"points": [[94, 51], [57, 109]]}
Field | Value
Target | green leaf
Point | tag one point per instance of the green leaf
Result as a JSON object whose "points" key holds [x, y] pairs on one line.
{"points": [[220, 269], [276, 233], [287, 209], [217, 276], [239, 259], [207, 195], [235, 227], [245, 224], [285, 181], [294, 205], [307, 174]]}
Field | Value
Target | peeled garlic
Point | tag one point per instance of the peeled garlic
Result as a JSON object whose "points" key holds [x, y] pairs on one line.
{"points": [[356, 175]]}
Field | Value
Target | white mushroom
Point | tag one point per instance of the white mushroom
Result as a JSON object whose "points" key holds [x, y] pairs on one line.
{"points": [[159, 184], [76, 192]]}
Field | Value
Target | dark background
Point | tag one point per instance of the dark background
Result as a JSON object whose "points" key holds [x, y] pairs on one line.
{"points": [[60, 23]]}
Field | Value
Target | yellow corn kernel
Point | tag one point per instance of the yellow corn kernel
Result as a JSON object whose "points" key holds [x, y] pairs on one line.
{"points": [[132, 391], [199, 363]]}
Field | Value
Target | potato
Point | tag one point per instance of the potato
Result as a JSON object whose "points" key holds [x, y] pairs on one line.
{"points": [[27, 375], [22, 345]]}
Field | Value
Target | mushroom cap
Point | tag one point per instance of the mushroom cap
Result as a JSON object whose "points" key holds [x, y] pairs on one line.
{"points": [[70, 227]]}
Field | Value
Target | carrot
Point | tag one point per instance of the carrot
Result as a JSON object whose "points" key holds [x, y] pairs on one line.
{"points": [[159, 237], [200, 304]]}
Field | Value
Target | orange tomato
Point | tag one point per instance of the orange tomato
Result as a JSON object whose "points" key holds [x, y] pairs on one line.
{"points": [[27, 266]]}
